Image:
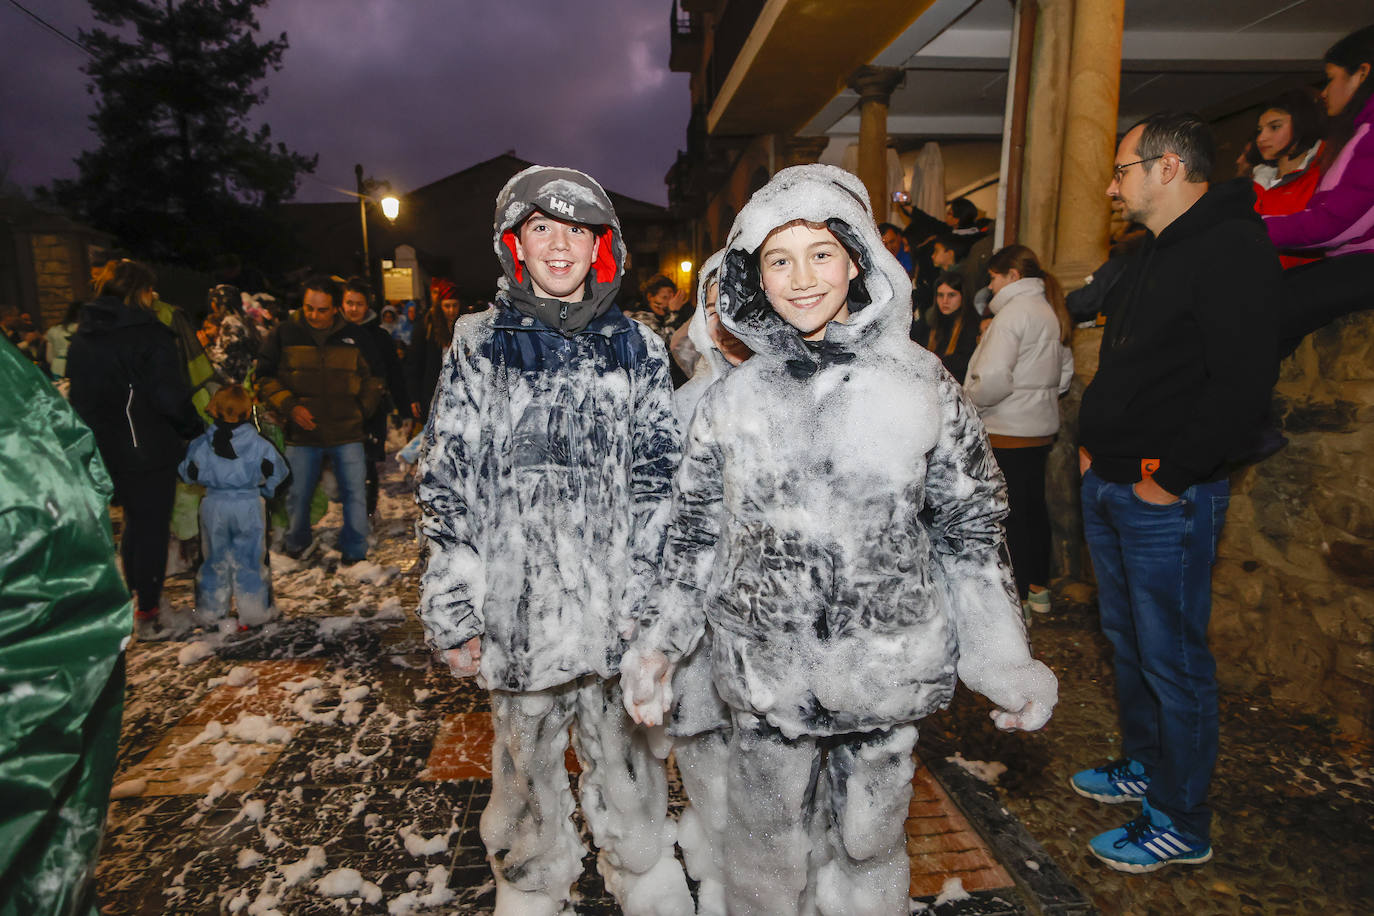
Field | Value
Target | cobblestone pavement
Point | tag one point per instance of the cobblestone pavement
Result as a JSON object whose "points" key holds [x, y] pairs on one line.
{"points": [[323, 765], [1293, 802]]}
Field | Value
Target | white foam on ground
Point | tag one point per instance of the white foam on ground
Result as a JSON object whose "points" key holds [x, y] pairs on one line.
{"points": [[194, 652], [988, 772]]}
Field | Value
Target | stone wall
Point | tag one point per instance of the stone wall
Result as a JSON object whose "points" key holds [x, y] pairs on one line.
{"points": [[1293, 611], [1293, 588], [56, 265]]}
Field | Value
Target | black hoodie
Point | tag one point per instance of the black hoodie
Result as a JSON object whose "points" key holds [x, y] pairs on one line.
{"points": [[129, 385], [1189, 351]]}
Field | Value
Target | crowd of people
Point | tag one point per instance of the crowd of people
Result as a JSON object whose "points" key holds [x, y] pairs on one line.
{"points": [[782, 523]]}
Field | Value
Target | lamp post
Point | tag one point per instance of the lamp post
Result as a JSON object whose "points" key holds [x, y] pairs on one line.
{"points": [[391, 208], [362, 216]]}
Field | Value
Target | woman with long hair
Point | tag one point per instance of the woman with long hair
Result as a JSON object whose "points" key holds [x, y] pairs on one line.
{"points": [[1338, 220], [1286, 157], [1020, 368], [127, 383], [949, 328]]}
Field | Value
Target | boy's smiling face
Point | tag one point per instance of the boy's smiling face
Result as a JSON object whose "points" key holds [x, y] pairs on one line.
{"points": [[806, 274], [557, 254]]}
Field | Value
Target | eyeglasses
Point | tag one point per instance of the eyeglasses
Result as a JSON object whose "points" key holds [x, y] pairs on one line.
{"points": [[1119, 171]]}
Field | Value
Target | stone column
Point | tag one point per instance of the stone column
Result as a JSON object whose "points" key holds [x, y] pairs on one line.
{"points": [[1049, 96], [874, 86], [802, 150], [1089, 139]]}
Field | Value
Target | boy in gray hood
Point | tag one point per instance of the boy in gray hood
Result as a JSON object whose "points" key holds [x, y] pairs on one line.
{"points": [[545, 480], [837, 521]]}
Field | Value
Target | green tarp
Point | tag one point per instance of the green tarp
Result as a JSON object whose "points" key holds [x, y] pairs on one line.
{"points": [[65, 616]]}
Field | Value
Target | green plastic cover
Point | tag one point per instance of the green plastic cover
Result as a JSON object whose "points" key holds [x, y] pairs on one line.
{"points": [[65, 617]]}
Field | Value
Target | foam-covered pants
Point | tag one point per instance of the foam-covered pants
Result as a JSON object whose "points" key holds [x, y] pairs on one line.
{"points": [[816, 823], [233, 531], [532, 844], [703, 762]]}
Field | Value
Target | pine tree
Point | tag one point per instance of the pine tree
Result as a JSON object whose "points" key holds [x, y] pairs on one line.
{"points": [[179, 175]]}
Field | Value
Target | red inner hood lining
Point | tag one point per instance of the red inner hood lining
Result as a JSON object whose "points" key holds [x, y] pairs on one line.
{"points": [[603, 266]]}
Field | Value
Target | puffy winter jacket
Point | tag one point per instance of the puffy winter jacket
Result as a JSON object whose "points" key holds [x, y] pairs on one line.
{"points": [[331, 379], [837, 516], [1020, 368], [129, 385], [696, 704], [711, 364], [257, 467], [547, 466]]}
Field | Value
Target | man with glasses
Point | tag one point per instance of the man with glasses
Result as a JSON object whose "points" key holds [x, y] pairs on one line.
{"points": [[1186, 367]]}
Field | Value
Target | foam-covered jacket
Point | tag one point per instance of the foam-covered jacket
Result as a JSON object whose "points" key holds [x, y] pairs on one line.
{"points": [[546, 469], [1019, 369], [711, 364], [837, 516], [696, 705]]}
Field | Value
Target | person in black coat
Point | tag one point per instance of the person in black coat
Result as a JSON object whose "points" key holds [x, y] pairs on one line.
{"points": [[431, 341], [949, 328], [128, 385], [380, 352]]}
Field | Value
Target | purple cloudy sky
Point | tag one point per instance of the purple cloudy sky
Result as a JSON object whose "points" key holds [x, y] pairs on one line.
{"points": [[412, 89]]}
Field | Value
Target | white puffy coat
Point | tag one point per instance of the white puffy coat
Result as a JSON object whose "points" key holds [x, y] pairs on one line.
{"points": [[1020, 368]]}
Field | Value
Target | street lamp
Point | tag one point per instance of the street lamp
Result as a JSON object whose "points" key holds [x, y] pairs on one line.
{"points": [[391, 208], [686, 267]]}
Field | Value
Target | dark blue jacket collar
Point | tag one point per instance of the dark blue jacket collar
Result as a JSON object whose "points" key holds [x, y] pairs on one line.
{"points": [[607, 324]]}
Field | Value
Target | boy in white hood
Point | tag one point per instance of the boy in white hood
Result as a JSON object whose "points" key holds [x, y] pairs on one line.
{"points": [[837, 521]]}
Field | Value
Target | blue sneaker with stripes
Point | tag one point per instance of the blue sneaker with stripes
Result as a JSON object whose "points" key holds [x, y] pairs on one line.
{"points": [[1148, 843], [1120, 781]]}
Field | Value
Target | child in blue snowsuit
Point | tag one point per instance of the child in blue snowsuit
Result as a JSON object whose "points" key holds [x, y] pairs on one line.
{"points": [[238, 468]]}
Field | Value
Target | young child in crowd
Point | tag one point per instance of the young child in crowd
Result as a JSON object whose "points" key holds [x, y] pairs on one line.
{"points": [[544, 482], [837, 523], [238, 469]]}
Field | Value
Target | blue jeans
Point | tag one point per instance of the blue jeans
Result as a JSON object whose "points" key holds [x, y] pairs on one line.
{"points": [[350, 467], [1154, 582]]}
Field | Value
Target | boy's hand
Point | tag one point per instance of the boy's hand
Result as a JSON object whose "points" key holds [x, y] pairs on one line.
{"points": [[645, 683], [1025, 693], [1027, 705], [678, 301], [466, 660]]}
